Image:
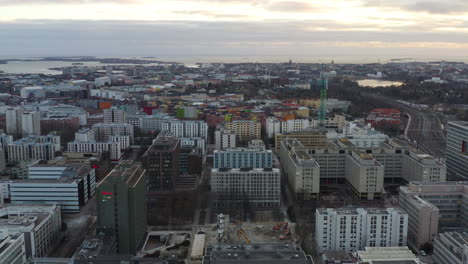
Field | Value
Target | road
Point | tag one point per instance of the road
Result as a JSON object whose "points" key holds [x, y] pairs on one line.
{"points": [[424, 127]]}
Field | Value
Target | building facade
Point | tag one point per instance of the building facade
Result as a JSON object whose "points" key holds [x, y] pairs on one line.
{"points": [[236, 158], [224, 139], [457, 149], [12, 248], [348, 229], [451, 248], [365, 175], [245, 130]]}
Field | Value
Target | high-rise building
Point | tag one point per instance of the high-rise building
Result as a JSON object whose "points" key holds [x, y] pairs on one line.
{"points": [[122, 205], [161, 162], [256, 187], [236, 158], [348, 229], [451, 248], [13, 121], [114, 115], [31, 124], [434, 205], [457, 149]]}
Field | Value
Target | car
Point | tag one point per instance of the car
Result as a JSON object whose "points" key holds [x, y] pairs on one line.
{"points": [[423, 253]]}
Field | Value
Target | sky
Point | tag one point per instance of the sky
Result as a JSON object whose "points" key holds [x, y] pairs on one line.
{"points": [[303, 30]]}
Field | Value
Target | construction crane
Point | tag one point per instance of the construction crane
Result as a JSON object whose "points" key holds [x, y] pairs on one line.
{"points": [[323, 85], [242, 235]]}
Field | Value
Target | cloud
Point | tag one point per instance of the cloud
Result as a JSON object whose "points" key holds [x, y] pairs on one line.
{"points": [[172, 39], [429, 6], [28, 2], [290, 7]]}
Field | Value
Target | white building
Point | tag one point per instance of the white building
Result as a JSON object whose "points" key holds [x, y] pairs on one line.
{"points": [[31, 124], [274, 126], [114, 115], [389, 255], [97, 147], [351, 229], [68, 111], [186, 128], [103, 131], [34, 91], [423, 168], [102, 81], [302, 171], [365, 175], [258, 187], [236, 158], [68, 186], [40, 225], [13, 121], [12, 248], [33, 147], [224, 139], [194, 142], [359, 135], [451, 248]]}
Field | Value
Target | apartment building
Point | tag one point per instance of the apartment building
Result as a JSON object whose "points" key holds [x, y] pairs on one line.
{"points": [[114, 115], [103, 131], [224, 139], [245, 130], [236, 187], [310, 138], [33, 147], [186, 128], [422, 167], [12, 248], [351, 229]]}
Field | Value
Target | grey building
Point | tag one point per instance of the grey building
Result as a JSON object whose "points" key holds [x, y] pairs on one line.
{"points": [[457, 149], [451, 248]]}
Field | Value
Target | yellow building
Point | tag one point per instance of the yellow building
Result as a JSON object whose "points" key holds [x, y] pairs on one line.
{"points": [[245, 130], [315, 103], [310, 138]]}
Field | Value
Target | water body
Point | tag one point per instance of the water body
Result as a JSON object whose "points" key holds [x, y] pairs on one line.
{"points": [[378, 83]]}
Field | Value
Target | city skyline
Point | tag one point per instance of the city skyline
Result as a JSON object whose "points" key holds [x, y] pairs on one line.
{"points": [[272, 29]]}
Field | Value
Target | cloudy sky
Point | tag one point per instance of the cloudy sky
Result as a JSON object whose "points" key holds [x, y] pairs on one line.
{"points": [[236, 29]]}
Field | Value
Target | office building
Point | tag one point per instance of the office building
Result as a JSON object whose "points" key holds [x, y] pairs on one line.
{"points": [[255, 253], [114, 115], [33, 147], [432, 206], [257, 187], [70, 124], [84, 143], [351, 229], [40, 224], [302, 171], [198, 142], [224, 139], [422, 168], [103, 131], [457, 149], [451, 248], [274, 126], [384, 118], [310, 138], [161, 162], [236, 158], [69, 111], [70, 186], [13, 121], [365, 175], [12, 248], [245, 130], [31, 124], [122, 205]]}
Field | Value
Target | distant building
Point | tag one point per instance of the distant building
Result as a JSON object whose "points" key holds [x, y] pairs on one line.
{"points": [[245, 130], [384, 118], [351, 229], [434, 205], [121, 205], [257, 187], [114, 115], [13, 122], [103, 131], [255, 253], [36, 92], [457, 149], [33, 147], [224, 139], [12, 248], [387, 255], [365, 175], [422, 168], [451, 248], [84, 143], [310, 138], [186, 128], [60, 123], [31, 124]]}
